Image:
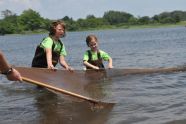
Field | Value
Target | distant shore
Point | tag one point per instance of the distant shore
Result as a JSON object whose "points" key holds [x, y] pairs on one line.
{"points": [[183, 23], [180, 24]]}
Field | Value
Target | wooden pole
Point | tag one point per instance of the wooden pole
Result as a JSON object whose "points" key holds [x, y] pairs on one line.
{"points": [[64, 91]]}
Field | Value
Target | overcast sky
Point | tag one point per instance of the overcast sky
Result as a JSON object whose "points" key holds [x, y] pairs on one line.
{"points": [[57, 9]]}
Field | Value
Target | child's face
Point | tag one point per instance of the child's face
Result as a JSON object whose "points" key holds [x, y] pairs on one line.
{"points": [[93, 45], [59, 31]]}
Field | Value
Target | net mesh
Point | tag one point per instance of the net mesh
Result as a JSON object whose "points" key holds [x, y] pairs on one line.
{"points": [[85, 83]]}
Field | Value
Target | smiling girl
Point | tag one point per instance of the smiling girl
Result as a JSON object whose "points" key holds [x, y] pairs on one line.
{"points": [[93, 58]]}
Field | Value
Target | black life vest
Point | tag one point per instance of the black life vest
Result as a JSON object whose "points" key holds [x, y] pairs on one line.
{"points": [[98, 62], [40, 59]]}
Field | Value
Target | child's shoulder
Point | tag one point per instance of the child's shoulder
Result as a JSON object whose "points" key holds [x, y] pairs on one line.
{"points": [[101, 51], [86, 52], [47, 39]]}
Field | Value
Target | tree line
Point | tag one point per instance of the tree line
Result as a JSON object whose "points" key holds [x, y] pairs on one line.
{"points": [[31, 21]]}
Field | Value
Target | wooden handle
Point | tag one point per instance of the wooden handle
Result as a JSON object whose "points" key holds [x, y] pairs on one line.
{"points": [[60, 90]]}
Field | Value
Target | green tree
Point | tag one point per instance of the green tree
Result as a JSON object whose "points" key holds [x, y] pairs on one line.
{"points": [[144, 20], [179, 15], [116, 17], [155, 19], [90, 17], [70, 23], [9, 24], [7, 13], [133, 21], [31, 20], [167, 20]]}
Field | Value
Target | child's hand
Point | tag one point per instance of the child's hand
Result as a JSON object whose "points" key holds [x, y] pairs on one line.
{"points": [[110, 66], [97, 68], [51, 67], [70, 69]]}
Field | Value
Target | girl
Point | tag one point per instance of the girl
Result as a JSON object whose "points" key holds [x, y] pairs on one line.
{"points": [[51, 49], [93, 58]]}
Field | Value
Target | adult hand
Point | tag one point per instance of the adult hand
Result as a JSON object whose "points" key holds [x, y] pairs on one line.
{"points": [[14, 75]]}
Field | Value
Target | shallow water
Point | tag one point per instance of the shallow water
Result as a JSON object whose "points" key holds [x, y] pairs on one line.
{"points": [[140, 99]]}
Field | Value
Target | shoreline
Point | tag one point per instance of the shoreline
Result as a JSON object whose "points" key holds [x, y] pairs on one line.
{"points": [[110, 27]]}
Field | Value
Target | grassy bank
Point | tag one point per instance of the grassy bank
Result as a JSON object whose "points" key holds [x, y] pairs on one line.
{"points": [[124, 26], [157, 25], [121, 26]]}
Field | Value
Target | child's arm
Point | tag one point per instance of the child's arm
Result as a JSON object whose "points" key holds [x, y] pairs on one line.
{"points": [[106, 57], [49, 58], [64, 63], [110, 63], [90, 65]]}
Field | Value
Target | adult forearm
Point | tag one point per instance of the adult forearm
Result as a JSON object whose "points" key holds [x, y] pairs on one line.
{"points": [[11, 73], [4, 66]]}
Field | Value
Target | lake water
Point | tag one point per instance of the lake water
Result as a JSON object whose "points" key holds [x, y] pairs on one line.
{"points": [[140, 99]]}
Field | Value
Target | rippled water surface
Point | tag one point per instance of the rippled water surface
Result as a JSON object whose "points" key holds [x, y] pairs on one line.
{"points": [[140, 99]]}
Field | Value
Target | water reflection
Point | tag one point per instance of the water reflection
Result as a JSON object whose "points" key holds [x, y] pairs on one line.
{"points": [[96, 83], [177, 122], [56, 109]]}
